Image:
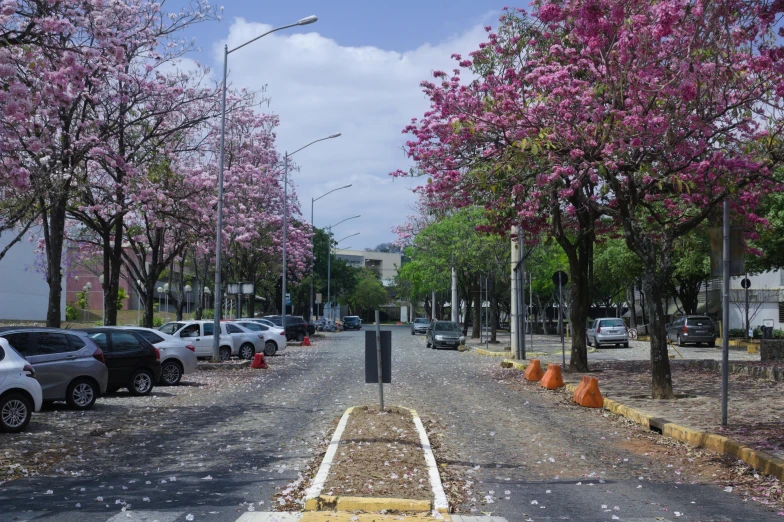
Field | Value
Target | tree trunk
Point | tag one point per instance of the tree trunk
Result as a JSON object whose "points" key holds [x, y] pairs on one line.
{"points": [[661, 379], [477, 295], [148, 313], [469, 303], [578, 315], [54, 238], [494, 312]]}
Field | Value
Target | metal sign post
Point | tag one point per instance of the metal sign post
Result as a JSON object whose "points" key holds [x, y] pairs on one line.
{"points": [[378, 362], [725, 314], [560, 279]]}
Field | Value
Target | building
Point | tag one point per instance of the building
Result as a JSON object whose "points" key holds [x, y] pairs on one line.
{"points": [[24, 293], [385, 264]]}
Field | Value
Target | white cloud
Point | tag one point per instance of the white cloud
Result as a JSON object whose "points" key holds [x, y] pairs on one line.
{"points": [[318, 88]]}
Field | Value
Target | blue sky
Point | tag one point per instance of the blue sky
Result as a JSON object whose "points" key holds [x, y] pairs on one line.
{"points": [[356, 71]]}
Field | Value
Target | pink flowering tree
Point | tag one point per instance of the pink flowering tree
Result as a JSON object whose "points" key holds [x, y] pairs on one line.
{"points": [[665, 110]]}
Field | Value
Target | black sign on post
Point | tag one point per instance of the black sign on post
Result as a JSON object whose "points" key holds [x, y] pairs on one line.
{"points": [[737, 251], [745, 283], [371, 364], [560, 278]]}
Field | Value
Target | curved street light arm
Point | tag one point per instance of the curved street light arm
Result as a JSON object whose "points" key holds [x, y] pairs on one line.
{"points": [[331, 191], [312, 142], [341, 221]]}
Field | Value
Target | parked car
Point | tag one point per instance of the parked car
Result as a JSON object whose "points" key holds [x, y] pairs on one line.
{"points": [[247, 341], [200, 335], [68, 365], [352, 322], [259, 320], [133, 362], [296, 327], [419, 326], [271, 336], [444, 334], [20, 392], [695, 329], [608, 330], [178, 357]]}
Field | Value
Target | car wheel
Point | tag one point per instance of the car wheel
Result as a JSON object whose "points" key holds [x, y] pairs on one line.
{"points": [[428, 345], [300, 337], [15, 413], [171, 373], [270, 348], [247, 351], [81, 394], [412, 332], [625, 345], [712, 344], [679, 342], [224, 353], [140, 383], [588, 341]]}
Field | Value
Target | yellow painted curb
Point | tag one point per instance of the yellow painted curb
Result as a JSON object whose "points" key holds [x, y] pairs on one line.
{"points": [[489, 353], [759, 460], [326, 516], [511, 363], [335, 503]]}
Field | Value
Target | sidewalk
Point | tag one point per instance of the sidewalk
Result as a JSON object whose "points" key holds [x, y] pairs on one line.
{"points": [[755, 411]]}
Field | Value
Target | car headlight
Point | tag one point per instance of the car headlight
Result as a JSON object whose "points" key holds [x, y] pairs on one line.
{"points": [[439, 337]]}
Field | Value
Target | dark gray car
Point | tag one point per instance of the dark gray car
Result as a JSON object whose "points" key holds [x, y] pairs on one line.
{"points": [[444, 334], [695, 329], [68, 364]]}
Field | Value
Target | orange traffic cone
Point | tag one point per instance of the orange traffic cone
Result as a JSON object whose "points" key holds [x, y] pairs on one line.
{"points": [[580, 389], [590, 396], [259, 362], [552, 377], [306, 341], [534, 371]]}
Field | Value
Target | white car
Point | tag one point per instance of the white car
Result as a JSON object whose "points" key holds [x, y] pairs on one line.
{"points": [[200, 335], [247, 341], [20, 392], [178, 356], [274, 338]]}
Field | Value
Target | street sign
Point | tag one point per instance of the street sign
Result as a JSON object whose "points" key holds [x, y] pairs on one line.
{"points": [[288, 299], [318, 298], [560, 278], [371, 360], [737, 251], [745, 283]]}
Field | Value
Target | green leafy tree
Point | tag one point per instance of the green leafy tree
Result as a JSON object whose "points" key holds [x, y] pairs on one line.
{"points": [[368, 293]]}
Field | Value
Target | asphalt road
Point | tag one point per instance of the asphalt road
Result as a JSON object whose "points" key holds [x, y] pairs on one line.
{"points": [[526, 454]]}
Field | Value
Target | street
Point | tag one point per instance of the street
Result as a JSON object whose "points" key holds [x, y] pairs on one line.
{"points": [[225, 443]]}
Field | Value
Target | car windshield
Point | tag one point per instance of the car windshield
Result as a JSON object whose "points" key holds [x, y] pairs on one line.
{"points": [[351, 319], [420, 321], [612, 323], [446, 327], [699, 320]]}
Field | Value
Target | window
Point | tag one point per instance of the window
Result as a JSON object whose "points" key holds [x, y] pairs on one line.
{"points": [[209, 329], [190, 331], [124, 342], [77, 343], [2, 353], [20, 342], [781, 312], [233, 328], [253, 327], [152, 337], [170, 328], [51, 343], [612, 323], [99, 338]]}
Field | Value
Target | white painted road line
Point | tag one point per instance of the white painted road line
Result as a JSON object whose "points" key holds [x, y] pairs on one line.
{"points": [[146, 516], [321, 477]]}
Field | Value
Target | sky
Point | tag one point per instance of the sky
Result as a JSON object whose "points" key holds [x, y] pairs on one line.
{"points": [[357, 72]]}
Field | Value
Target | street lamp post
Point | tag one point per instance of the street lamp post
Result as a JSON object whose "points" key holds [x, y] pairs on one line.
{"points": [[286, 217], [218, 238], [86, 290], [166, 292], [188, 299], [139, 302], [160, 291], [103, 300], [312, 242], [206, 294]]}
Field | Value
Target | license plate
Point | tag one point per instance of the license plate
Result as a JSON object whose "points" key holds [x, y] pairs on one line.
{"points": [[700, 331]]}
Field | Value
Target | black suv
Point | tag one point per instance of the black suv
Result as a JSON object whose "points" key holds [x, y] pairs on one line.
{"points": [[352, 322], [133, 362], [296, 327]]}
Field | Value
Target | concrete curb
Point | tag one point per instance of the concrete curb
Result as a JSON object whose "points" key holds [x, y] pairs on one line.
{"points": [[759, 460], [315, 501], [757, 372], [511, 363], [313, 492], [222, 366], [490, 353]]}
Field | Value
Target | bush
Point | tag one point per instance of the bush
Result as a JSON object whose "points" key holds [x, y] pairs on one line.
{"points": [[208, 313], [71, 312], [98, 323], [736, 333], [156, 322]]}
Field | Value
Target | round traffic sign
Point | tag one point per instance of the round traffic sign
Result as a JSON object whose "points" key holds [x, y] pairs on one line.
{"points": [[560, 278], [745, 283]]}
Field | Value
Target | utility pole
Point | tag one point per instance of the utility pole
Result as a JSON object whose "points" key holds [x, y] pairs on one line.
{"points": [[725, 314], [455, 302]]}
